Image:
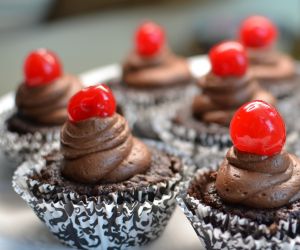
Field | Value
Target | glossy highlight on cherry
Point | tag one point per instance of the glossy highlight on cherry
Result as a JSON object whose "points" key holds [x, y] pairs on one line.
{"points": [[257, 32], [41, 67], [258, 128], [228, 59], [94, 101], [149, 39]]}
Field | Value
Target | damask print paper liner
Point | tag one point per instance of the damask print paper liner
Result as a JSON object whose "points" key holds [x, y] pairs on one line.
{"points": [[217, 230], [20, 147], [117, 221]]}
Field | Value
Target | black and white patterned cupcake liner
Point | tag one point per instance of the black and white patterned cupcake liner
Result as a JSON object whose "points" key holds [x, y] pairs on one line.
{"points": [[117, 221], [141, 106], [218, 230], [24, 146], [188, 139], [144, 98], [285, 87]]}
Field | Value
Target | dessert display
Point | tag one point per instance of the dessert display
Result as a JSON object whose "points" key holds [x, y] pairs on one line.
{"points": [[228, 85], [221, 148], [251, 199], [101, 179], [41, 104], [274, 69]]}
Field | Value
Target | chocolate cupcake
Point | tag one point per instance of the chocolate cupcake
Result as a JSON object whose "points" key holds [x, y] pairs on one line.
{"points": [[41, 104], [252, 200], [104, 189], [275, 70], [153, 76], [228, 85]]}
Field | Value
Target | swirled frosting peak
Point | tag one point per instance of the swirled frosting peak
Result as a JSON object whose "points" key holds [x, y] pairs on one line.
{"points": [[102, 150], [268, 64], [47, 104], [259, 181], [221, 96], [161, 70]]}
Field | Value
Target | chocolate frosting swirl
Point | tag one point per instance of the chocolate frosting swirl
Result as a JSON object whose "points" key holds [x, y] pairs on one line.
{"points": [[267, 64], [164, 69], [47, 104], [102, 150], [259, 181], [220, 97]]}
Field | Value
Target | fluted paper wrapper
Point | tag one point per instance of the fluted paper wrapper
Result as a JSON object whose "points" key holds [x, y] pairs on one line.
{"points": [[188, 139], [145, 98], [20, 147], [141, 106], [103, 222], [218, 230], [285, 87]]}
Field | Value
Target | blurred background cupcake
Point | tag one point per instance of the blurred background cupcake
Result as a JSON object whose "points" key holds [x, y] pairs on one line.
{"points": [[40, 105], [276, 71], [205, 120], [153, 78]]}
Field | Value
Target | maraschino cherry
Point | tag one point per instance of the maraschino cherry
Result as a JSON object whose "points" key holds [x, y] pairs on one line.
{"points": [[257, 32], [257, 128], [94, 101], [149, 39], [41, 67], [228, 59]]}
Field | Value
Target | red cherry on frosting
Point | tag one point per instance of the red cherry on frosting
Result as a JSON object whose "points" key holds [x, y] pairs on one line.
{"points": [[149, 39], [94, 101], [228, 59], [41, 67], [257, 31], [258, 128]]}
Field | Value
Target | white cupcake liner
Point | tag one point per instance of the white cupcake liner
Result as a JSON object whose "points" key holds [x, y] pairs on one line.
{"points": [[24, 146], [99, 222], [218, 230]]}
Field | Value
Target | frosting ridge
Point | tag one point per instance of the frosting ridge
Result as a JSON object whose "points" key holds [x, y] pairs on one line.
{"points": [[102, 150], [259, 181], [221, 96], [161, 70], [267, 64], [47, 104]]}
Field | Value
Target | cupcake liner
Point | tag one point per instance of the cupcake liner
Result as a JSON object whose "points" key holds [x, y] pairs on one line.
{"points": [[285, 87], [145, 98], [188, 139], [143, 121], [23, 146], [116, 221], [141, 105], [218, 230]]}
